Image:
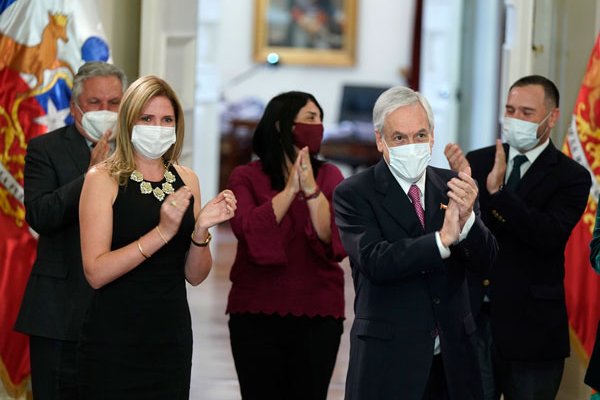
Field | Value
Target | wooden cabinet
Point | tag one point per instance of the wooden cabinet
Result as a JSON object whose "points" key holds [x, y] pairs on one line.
{"points": [[236, 148], [350, 151]]}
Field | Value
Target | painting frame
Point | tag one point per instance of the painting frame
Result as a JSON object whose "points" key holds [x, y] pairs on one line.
{"points": [[335, 46]]}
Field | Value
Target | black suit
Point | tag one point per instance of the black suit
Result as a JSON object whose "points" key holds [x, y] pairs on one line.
{"points": [[528, 312], [57, 293], [405, 291]]}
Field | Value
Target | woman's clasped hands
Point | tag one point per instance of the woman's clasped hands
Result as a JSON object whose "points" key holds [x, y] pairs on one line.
{"points": [[301, 177]]}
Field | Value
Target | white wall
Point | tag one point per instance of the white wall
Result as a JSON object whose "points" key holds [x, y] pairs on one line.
{"points": [[121, 23], [384, 34]]}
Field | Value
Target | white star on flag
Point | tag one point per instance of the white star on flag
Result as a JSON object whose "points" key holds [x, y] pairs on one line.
{"points": [[54, 118]]}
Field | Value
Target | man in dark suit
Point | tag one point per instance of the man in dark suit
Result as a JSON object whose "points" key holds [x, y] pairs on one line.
{"points": [[531, 208], [57, 293], [412, 336]]}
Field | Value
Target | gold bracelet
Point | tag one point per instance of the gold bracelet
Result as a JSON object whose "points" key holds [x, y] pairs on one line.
{"points": [[201, 244], [161, 235], [140, 249]]}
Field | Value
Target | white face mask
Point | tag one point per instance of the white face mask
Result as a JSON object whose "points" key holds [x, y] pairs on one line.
{"points": [[152, 141], [96, 123], [408, 162], [522, 135]]}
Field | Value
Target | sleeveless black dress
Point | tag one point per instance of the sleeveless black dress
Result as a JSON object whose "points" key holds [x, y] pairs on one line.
{"points": [[136, 342]]}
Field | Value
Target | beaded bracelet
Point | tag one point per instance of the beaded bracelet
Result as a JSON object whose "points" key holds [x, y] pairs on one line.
{"points": [[314, 195]]}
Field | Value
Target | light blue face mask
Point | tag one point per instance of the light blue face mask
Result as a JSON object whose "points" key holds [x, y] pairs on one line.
{"points": [[408, 162], [522, 135]]}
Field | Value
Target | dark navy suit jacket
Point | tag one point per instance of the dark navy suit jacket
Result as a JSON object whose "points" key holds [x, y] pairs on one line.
{"points": [[532, 226], [406, 293], [57, 293]]}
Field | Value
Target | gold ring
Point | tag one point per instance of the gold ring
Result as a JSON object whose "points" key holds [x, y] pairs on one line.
{"points": [[304, 167], [173, 203]]}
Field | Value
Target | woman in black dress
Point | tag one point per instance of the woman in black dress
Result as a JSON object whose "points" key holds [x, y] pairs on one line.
{"points": [[143, 234]]}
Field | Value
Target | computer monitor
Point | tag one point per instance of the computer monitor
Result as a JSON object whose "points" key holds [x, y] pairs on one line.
{"points": [[358, 101]]}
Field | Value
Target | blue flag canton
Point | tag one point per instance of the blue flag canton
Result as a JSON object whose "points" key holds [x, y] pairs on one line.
{"points": [[55, 102], [4, 4]]}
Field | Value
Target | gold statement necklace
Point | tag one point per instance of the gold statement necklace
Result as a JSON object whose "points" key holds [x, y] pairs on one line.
{"points": [[158, 192]]}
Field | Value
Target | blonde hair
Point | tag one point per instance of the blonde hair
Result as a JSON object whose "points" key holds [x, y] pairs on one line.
{"points": [[121, 164]]}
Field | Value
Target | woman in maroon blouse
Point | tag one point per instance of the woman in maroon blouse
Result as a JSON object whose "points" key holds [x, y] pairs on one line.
{"points": [[286, 303]]}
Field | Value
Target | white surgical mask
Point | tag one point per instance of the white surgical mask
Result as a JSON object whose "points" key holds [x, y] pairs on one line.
{"points": [[408, 162], [152, 141], [96, 123], [522, 135]]}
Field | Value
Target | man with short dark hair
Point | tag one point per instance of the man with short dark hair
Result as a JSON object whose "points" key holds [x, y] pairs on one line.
{"points": [[57, 293], [531, 197]]}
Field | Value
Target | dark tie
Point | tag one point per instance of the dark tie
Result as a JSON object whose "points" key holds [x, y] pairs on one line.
{"points": [[415, 195], [515, 175]]}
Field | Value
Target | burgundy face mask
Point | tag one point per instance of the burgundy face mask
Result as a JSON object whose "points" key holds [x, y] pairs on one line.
{"points": [[309, 135]]}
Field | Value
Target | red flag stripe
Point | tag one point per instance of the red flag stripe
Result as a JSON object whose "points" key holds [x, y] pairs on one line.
{"points": [[582, 283]]}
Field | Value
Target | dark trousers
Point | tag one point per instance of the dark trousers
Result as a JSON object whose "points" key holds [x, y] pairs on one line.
{"points": [[53, 368], [516, 380], [522, 380], [485, 354], [281, 358], [437, 388]]}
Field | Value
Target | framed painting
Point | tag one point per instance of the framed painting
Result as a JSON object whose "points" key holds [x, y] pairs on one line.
{"points": [[309, 32]]}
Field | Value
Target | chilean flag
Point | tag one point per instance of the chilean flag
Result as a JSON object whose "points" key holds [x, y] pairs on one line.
{"points": [[582, 284], [42, 44]]}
